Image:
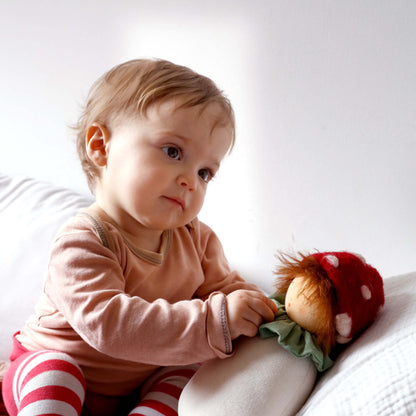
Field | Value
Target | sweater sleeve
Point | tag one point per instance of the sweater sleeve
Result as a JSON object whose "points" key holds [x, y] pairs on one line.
{"points": [[85, 285], [218, 275]]}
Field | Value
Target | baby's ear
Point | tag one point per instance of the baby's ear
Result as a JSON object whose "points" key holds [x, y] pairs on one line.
{"points": [[98, 137]]}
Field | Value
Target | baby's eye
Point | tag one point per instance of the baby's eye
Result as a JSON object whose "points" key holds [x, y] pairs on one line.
{"points": [[173, 152], [205, 174]]}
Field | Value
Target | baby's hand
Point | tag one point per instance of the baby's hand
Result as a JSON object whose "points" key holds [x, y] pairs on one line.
{"points": [[247, 309]]}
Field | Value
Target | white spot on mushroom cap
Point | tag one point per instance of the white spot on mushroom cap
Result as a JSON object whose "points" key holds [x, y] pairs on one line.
{"points": [[332, 260], [343, 324], [366, 292]]}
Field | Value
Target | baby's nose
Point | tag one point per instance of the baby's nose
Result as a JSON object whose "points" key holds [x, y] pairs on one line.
{"points": [[188, 180]]}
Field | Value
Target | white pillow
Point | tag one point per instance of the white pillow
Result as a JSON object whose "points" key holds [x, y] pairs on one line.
{"points": [[30, 214], [376, 375], [262, 378]]}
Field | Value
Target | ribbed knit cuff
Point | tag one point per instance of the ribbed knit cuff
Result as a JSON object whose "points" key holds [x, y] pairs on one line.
{"points": [[218, 332]]}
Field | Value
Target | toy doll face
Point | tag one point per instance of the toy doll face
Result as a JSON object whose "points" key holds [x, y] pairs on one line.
{"points": [[299, 307]]}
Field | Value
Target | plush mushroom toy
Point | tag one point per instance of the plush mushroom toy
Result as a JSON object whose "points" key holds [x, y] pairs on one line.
{"points": [[324, 299]]}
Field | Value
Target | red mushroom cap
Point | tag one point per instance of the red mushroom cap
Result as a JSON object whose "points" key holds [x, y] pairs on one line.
{"points": [[359, 292]]}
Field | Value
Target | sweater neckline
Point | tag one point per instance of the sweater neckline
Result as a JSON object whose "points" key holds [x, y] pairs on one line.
{"points": [[155, 257]]}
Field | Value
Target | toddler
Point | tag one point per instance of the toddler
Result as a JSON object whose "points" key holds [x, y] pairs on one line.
{"points": [[138, 291]]}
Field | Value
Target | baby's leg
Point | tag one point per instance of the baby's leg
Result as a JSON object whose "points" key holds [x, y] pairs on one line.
{"points": [[160, 394], [44, 382]]}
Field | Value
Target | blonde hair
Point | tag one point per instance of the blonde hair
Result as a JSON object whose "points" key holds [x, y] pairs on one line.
{"points": [[132, 87]]}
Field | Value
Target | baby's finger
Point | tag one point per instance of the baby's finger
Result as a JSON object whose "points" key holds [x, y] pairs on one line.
{"points": [[264, 306], [252, 316], [249, 328], [272, 306]]}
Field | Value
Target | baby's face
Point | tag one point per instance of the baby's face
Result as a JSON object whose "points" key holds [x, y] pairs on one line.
{"points": [[158, 166]]}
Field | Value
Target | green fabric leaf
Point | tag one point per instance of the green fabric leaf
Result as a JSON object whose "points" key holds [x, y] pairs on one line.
{"points": [[293, 337]]}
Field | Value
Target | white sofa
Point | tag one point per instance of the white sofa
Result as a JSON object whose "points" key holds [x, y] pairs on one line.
{"points": [[376, 375]]}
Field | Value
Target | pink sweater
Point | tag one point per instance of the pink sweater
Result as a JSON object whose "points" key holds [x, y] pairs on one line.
{"points": [[124, 312]]}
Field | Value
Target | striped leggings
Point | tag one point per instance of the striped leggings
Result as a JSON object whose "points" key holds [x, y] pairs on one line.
{"points": [[51, 383]]}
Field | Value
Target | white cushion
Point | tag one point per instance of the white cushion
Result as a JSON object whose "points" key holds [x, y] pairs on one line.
{"points": [[261, 378], [376, 375], [30, 215]]}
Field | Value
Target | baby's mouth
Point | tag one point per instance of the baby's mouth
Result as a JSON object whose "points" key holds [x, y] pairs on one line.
{"points": [[178, 201]]}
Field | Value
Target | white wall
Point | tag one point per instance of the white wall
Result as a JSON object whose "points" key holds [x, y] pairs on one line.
{"points": [[324, 93]]}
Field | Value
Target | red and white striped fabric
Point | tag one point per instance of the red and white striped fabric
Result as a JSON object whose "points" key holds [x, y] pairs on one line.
{"points": [[46, 383], [160, 394], [51, 383]]}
